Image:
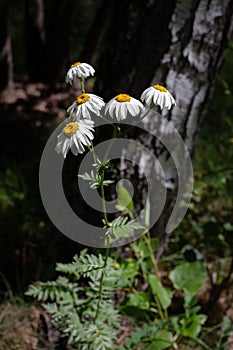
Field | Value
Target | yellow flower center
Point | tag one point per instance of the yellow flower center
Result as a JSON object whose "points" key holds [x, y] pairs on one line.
{"points": [[75, 64], [82, 98], [122, 98], [160, 88], [70, 129]]}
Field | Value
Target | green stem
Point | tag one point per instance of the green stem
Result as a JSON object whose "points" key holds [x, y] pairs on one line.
{"points": [[106, 120], [82, 82], [101, 283], [147, 238], [91, 148], [160, 310], [175, 346], [103, 200], [108, 249], [114, 136], [204, 345], [152, 256]]}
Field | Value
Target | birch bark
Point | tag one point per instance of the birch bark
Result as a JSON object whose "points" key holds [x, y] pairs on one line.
{"points": [[176, 43]]}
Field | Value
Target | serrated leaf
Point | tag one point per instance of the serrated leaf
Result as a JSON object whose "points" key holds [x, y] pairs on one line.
{"points": [[121, 227], [107, 182]]}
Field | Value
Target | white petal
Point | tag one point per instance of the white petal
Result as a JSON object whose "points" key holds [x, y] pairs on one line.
{"points": [[160, 99], [156, 96], [93, 107], [144, 94], [85, 112], [112, 107], [133, 109], [168, 103], [65, 148], [123, 110], [172, 98], [149, 97], [136, 102], [117, 111]]}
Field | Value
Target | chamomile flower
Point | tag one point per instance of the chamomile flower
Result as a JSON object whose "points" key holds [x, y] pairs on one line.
{"points": [[79, 70], [123, 105], [75, 136], [85, 106], [158, 95]]}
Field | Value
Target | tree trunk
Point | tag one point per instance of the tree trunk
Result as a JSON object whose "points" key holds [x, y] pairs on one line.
{"points": [[175, 43], [58, 39], [35, 40], [47, 39], [6, 61], [95, 37]]}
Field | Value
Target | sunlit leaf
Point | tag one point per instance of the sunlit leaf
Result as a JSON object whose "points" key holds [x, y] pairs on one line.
{"points": [[189, 277]]}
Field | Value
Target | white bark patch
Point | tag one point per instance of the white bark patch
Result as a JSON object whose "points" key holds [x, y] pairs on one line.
{"points": [[189, 68], [205, 38], [179, 19]]}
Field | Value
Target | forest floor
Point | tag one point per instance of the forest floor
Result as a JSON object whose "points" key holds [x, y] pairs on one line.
{"points": [[28, 327]]}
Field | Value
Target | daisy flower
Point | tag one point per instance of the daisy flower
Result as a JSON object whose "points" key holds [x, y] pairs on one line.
{"points": [[158, 95], [75, 136], [85, 105], [79, 70], [123, 105]]}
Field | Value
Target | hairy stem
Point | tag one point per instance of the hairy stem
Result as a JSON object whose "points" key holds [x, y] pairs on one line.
{"points": [[82, 83], [101, 283], [103, 199], [147, 239]]}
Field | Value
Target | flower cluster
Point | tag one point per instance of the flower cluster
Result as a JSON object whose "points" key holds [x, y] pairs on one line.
{"points": [[78, 132], [79, 129]]}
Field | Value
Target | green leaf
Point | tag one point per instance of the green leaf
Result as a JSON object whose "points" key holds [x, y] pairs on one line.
{"points": [[175, 320], [121, 227], [228, 227], [139, 300], [147, 214], [128, 342], [128, 272], [226, 323], [190, 301], [164, 294], [161, 340], [129, 268], [124, 200], [192, 326], [136, 337], [141, 249], [189, 277]]}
